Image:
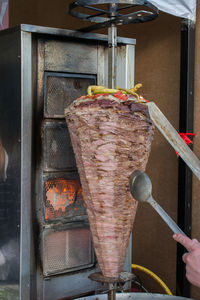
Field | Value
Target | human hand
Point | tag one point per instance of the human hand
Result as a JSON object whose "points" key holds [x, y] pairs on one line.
{"points": [[191, 259]]}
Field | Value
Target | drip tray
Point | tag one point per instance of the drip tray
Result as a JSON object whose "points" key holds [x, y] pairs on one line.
{"points": [[135, 296]]}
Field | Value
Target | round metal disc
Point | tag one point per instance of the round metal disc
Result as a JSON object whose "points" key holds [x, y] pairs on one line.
{"points": [[96, 2], [105, 18], [123, 277]]}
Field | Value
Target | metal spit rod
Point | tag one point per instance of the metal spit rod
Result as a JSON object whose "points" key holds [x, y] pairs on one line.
{"points": [[113, 283], [112, 291], [112, 48], [114, 18]]}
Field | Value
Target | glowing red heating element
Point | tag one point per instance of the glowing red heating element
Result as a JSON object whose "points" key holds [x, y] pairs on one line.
{"points": [[63, 198]]}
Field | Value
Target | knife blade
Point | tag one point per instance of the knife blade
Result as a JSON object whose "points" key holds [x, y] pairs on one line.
{"points": [[172, 136]]}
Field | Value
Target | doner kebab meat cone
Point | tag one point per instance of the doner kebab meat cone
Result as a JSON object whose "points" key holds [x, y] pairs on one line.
{"points": [[111, 134]]}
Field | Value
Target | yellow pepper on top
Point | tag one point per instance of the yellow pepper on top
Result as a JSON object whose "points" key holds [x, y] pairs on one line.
{"points": [[98, 89]]}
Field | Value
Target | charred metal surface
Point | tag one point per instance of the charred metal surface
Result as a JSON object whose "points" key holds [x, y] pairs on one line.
{"points": [[56, 88], [123, 278], [70, 57], [58, 153]]}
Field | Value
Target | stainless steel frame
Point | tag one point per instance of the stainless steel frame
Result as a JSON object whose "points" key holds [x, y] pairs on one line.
{"points": [[19, 99], [26, 240]]}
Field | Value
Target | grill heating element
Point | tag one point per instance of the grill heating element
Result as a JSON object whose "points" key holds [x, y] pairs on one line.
{"points": [[64, 198]]}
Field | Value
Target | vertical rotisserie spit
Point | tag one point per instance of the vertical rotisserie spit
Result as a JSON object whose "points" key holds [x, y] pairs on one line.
{"points": [[111, 136]]}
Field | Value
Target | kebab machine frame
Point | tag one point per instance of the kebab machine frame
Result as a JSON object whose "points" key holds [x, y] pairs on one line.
{"points": [[111, 18], [39, 68]]}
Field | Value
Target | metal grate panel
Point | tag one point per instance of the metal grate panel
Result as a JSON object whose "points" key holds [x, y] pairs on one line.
{"points": [[67, 250], [61, 90], [58, 151]]}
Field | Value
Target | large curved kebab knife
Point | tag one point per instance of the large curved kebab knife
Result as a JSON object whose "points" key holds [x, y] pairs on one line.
{"points": [[172, 136]]}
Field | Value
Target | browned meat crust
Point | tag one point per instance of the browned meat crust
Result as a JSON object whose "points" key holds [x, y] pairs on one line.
{"points": [[111, 139]]}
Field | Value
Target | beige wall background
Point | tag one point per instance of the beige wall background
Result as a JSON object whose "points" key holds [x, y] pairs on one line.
{"points": [[157, 67]]}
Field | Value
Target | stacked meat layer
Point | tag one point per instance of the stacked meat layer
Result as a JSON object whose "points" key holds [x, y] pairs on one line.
{"points": [[111, 139]]}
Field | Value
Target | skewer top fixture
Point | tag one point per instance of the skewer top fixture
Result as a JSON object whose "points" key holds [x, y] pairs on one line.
{"points": [[111, 13], [118, 12]]}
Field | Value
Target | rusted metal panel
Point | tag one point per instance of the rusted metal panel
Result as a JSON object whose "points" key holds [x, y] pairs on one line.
{"points": [[70, 57], [62, 89]]}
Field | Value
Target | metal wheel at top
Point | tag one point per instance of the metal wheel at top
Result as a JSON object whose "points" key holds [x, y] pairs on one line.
{"points": [[117, 12]]}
